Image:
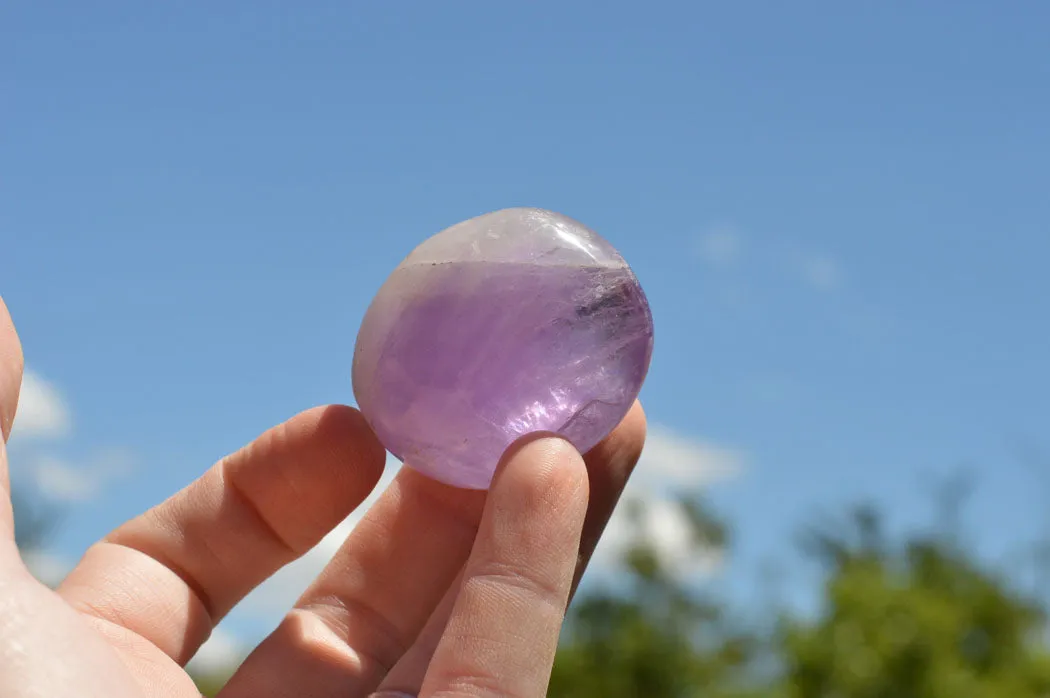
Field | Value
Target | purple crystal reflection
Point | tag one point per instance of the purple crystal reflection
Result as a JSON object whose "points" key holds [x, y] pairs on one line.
{"points": [[513, 322]]}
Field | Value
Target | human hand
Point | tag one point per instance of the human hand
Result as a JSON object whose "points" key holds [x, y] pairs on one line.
{"points": [[437, 592]]}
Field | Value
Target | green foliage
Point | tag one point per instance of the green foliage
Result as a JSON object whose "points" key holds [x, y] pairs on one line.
{"points": [[620, 648], [921, 620], [209, 686], [660, 639], [917, 618]]}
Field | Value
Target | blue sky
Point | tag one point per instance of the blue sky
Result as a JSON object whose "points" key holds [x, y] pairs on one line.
{"points": [[838, 210]]}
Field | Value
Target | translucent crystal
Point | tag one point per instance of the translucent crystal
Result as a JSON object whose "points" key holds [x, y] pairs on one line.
{"points": [[514, 322]]}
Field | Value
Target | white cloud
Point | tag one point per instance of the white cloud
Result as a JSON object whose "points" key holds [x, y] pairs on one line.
{"points": [[222, 652], [722, 246], [44, 416], [663, 526], [719, 246], [63, 481], [60, 481], [822, 272], [670, 459], [49, 568], [42, 410], [671, 465]]}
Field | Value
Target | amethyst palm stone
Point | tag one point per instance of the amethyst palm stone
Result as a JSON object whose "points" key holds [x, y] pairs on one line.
{"points": [[514, 322]]}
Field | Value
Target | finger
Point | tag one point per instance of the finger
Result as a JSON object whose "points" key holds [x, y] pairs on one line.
{"points": [[172, 573], [609, 465], [11, 365], [381, 587], [503, 630], [369, 603], [407, 676]]}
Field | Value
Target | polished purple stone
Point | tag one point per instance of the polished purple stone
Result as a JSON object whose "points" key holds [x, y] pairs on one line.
{"points": [[513, 322]]}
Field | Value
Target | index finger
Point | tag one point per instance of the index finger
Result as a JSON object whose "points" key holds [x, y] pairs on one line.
{"points": [[503, 631]]}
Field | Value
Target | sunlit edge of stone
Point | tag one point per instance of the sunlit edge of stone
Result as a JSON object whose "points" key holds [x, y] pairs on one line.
{"points": [[594, 250]]}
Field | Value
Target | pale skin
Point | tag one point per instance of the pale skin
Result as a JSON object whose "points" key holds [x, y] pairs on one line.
{"points": [[438, 592]]}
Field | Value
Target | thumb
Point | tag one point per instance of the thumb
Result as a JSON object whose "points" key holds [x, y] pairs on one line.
{"points": [[10, 385], [10, 370]]}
